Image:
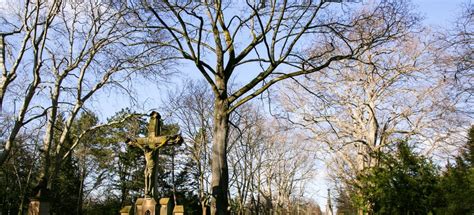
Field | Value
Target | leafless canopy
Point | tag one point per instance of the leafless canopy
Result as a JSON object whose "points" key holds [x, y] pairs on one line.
{"points": [[225, 38], [264, 42]]}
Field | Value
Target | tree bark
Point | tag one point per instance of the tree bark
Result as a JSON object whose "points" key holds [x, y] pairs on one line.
{"points": [[3, 80], [219, 168]]}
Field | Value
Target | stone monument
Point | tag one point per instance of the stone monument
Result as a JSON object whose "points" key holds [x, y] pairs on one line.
{"points": [[39, 204], [166, 206], [178, 210], [127, 210], [150, 146], [38, 207]]}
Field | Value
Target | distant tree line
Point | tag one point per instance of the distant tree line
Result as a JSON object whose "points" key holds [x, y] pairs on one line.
{"points": [[405, 182]]}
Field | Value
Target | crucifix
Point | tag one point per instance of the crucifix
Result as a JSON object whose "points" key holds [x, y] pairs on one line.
{"points": [[150, 146]]}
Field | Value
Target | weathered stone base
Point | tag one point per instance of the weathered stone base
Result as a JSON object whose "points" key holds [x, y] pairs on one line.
{"points": [[38, 207], [127, 210], [145, 206], [178, 210], [166, 206]]}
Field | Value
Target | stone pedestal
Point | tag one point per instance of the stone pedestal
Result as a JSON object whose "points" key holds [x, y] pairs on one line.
{"points": [[139, 206], [178, 210], [145, 206], [38, 207], [127, 210], [149, 206], [166, 206]]}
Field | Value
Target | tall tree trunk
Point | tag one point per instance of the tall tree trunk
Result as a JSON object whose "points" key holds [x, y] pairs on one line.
{"points": [[220, 175], [21, 205], [49, 138], [202, 195], [172, 177], [4, 79], [123, 188], [81, 187], [203, 153], [42, 184]]}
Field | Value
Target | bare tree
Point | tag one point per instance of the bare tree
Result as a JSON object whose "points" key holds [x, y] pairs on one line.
{"points": [[19, 172], [455, 56], [289, 167], [191, 107], [247, 143], [73, 50], [259, 153], [222, 39], [358, 109], [270, 165], [65, 51], [31, 24]]}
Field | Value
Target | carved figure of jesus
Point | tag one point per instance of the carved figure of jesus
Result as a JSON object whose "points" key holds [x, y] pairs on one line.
{"points": [[150, 145]]}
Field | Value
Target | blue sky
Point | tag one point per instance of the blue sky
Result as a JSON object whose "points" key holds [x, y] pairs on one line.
{"points": [[439, 12]]}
